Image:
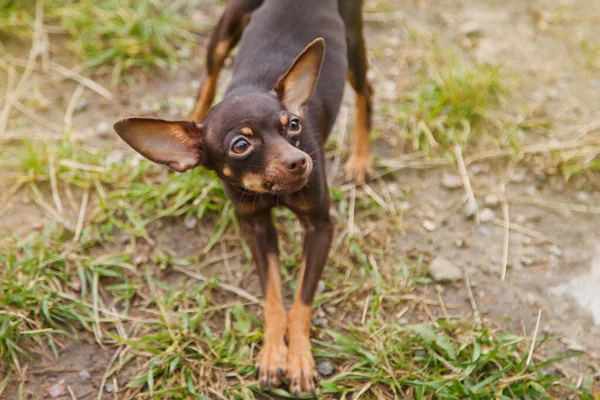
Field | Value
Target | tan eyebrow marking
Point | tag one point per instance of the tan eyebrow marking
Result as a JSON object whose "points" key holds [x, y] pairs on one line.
{"points": [[246, 131], [284, 119]]}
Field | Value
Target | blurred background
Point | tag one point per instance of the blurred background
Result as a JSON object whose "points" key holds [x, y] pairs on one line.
{"points": [[467, 267]]}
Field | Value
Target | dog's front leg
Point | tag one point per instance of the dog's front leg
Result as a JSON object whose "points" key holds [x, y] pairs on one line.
{"points": [[261, 236], [301, 365]]}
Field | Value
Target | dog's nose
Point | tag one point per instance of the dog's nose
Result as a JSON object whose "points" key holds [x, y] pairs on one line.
{"points": [[296, 163]]}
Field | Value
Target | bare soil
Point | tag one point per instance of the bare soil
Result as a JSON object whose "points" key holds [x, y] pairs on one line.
{"points": [[539, 45]]}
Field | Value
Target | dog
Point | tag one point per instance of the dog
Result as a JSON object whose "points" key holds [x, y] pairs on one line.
{"points": [[265, 141]]}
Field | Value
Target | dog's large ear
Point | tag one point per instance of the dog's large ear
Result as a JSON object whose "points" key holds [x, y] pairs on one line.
{"points": [[296, 86], [177, 144]]}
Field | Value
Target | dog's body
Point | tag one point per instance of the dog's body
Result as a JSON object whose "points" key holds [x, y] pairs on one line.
{"points": [[265, 141]]}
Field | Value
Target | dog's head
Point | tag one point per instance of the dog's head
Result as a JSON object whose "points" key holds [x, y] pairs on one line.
{"points": [[249, 139]]}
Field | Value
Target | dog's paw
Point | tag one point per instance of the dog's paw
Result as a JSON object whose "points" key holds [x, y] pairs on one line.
{"points": [[359, 167], [302, 374], [271, 364]]}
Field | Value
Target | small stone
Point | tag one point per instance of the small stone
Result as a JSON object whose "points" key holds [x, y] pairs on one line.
{"points": [[518, 177], [190, 222], [491, 201], [451, 182], [470, 28], [325, 368], [57, 390], [461, 243], [82, 104], [184, 53], [443, 270], [479, 169], [530, 190], [321, 287], [84, 375], [108, 388], [487, 215], [527, 261], [103, 128], [583, 196], [429, 225], [520, 219], [555, 250], [471, 208], [404, 206], [531, 299], [330, 309], [319, 322], [485, 232]]}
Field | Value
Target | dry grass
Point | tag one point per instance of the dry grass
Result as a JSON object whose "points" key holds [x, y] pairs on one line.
{"points": [[185, 324]]}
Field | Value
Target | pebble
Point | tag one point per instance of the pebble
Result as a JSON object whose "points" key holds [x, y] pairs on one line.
{"points": [[518, 177], [487, 215], [531, 299], [470, 28], [443, 270], [451, 182], [319, 322], [491, 201], [429, 225], [583, 196], [479, 169], [84, 375], [527, 261], [82, 104], [190, 222], [530, 190], [404, 206], [103, 129], [325, 368], [555, 250], [471, 209], [108, 388], [57, 390], [485, 232], [321, 287], [461, 243]]}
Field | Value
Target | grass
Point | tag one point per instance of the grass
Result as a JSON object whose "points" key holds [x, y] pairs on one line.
{"points": [[453, 103], [169, 331], [109, 265], [128, 36]]}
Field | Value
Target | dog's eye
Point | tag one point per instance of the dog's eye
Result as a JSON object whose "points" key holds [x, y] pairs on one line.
{"points": [[240, 146], [294, 125]]}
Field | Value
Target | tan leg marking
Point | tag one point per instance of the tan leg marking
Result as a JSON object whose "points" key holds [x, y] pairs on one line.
{"points": [[207, 91], [271, 362], [360, 163], [302, 372]]}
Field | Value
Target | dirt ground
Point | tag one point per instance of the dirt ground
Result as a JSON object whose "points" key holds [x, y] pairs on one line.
{"points": [[553, 264]]}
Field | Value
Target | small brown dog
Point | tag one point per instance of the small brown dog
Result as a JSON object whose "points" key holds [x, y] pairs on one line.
{"points": [[265, 141]]}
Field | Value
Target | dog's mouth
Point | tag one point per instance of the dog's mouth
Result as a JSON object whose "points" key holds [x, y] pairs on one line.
{"points": [[285, 187]]}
